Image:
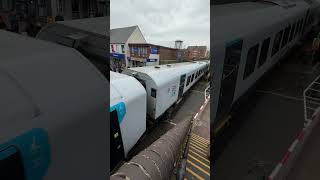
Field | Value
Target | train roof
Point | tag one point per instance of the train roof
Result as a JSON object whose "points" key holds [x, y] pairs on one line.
{"points": [[39, 76], [90, 34], [236, 20], [98, 25], [120, 83], [161, 74]]}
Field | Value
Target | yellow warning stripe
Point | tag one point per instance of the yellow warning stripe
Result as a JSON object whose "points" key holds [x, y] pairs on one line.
{"points": [[193, 152], [199, 161], [198, 167], [197, 135], [195, 145], [194, 148], [194, 174], [200, 138], [200, 143]]}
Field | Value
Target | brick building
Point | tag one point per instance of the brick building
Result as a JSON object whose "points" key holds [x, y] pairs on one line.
{"points": [[196, 52], [145, 54]]}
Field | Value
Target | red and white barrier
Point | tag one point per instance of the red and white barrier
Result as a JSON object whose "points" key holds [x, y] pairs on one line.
{"points": [[201, 108]]}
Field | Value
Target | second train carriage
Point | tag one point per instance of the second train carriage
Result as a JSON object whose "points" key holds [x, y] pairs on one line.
{"points": [[165, 84], [127, 115], [243, 51]]}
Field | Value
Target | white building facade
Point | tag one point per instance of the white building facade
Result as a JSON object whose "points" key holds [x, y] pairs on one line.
{"points": [[120, 39]]}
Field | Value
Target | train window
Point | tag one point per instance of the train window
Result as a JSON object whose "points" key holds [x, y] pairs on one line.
{"points": [[276, 43], [192, 77], [251, 60], [297, 29], [292, 32], [264, 51], [154, 93], [188, 81], [285, 37], [300, 26]]}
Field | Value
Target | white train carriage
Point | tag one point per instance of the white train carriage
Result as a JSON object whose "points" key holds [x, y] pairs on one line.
{"points": [[165, 84], [128, 104], [249, 38], [52, 112]]}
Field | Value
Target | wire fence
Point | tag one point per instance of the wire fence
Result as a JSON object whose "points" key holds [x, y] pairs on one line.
{"points": [[311, 97]]}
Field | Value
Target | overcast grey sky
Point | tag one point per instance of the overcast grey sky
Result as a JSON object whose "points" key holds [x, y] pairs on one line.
{"points": [[164, 21]]}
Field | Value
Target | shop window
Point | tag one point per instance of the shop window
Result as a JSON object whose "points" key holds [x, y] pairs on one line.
{"points": [[122, 49]]}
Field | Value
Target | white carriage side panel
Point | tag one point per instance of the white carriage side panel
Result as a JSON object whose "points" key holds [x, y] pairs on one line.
{"points": [[167, 96], [258, 37]]}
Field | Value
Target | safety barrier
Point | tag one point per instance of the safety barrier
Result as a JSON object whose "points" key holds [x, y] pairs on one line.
{"points": [[311, 99]]}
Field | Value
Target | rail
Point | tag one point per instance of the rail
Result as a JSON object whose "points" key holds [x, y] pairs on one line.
{"points": [[311, 97]]}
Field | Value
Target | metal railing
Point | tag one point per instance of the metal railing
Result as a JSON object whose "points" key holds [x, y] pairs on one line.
{"points": [[311, 96], [207, 92]]}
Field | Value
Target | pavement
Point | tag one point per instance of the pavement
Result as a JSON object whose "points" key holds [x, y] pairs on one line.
{"points": [[266, 125], [198, 162]]}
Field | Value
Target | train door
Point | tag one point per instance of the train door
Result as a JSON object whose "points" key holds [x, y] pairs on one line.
{"points": [[181, 85], [116, 147], [229, 77]]}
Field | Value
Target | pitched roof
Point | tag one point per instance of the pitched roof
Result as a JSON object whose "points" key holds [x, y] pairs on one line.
{"points": [[196, 47], [121, 35]]}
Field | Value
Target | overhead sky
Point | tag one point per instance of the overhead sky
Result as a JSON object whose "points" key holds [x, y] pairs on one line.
{"points": [[162, 22]]}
